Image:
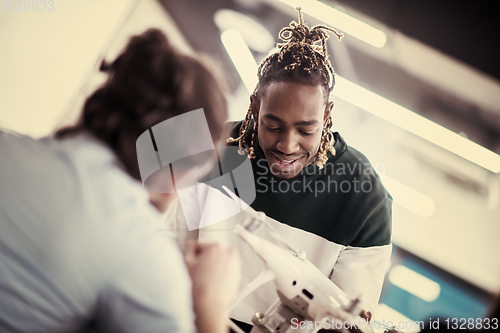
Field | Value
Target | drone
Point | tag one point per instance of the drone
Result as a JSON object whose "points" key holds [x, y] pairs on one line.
{"points": [[306, 295]]}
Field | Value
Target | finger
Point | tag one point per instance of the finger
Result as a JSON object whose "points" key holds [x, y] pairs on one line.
{"points": [[234, 254], [366, 315], [190, 251], [208, 248]]}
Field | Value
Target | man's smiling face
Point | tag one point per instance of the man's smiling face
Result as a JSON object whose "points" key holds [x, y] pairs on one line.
{"points": [[290, 121]]}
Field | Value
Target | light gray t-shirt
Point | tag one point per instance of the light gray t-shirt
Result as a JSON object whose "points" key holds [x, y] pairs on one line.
{"points": [[80, 248]]}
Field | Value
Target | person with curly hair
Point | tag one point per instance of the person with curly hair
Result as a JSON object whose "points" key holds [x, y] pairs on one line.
{"points": [[80, 249]]}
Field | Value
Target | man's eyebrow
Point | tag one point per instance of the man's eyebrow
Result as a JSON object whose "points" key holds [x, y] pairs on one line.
{"points": [[298, 123], [306, 123], [273, 117]]}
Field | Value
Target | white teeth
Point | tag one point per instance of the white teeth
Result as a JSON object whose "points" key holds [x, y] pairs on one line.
{"points": [[285, 161]]}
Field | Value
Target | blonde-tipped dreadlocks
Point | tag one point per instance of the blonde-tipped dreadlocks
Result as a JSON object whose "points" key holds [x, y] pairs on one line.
{"points": [[302, 58]]}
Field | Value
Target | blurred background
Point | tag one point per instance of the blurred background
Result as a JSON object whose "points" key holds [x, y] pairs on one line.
{"points": [[417, 92]]}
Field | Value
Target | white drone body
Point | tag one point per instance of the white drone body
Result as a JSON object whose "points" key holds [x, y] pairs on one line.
{"points": [[305, 293]]}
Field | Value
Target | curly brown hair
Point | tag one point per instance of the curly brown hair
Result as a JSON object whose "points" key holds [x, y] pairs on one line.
{"points": [[303, 59], [148, 83]]}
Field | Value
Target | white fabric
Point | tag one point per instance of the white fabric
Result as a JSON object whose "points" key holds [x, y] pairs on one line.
{"points": [[358, 272], [79, 241]]}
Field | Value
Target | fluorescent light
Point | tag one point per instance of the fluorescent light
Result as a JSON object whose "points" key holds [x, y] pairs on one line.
{"points": [[414, 283], [242, 57], [341, 21], [408, 198], [416, 124], [256, 36]]}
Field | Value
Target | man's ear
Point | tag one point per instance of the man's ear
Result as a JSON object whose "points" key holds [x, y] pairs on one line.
{"points": [[328, 110], [255, 107]]}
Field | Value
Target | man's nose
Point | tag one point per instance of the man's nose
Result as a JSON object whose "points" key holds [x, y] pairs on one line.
{"points": [[288, 143]]}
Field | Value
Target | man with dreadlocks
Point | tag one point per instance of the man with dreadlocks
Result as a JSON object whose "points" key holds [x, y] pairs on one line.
{"points": [[297, 162], [322, 195]]}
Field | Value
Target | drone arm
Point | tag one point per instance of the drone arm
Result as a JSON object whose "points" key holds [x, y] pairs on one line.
{"points": [[262, 279]]}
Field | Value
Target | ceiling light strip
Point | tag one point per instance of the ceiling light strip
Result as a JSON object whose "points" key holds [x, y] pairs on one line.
{"points": [[414, 283], [241, 56], [416, 124]]}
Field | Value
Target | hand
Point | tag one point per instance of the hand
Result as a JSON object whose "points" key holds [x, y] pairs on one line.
{"points": [[366, 315], [216, 275]]}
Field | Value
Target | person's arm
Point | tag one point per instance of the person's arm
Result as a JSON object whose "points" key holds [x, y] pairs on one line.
{"points": [[149, 290], [216, 274], [360, 269], [360, 272]]}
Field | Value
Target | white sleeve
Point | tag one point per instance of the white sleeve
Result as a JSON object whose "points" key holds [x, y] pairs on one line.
{"points": [[150, 292], [360, 271]]}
